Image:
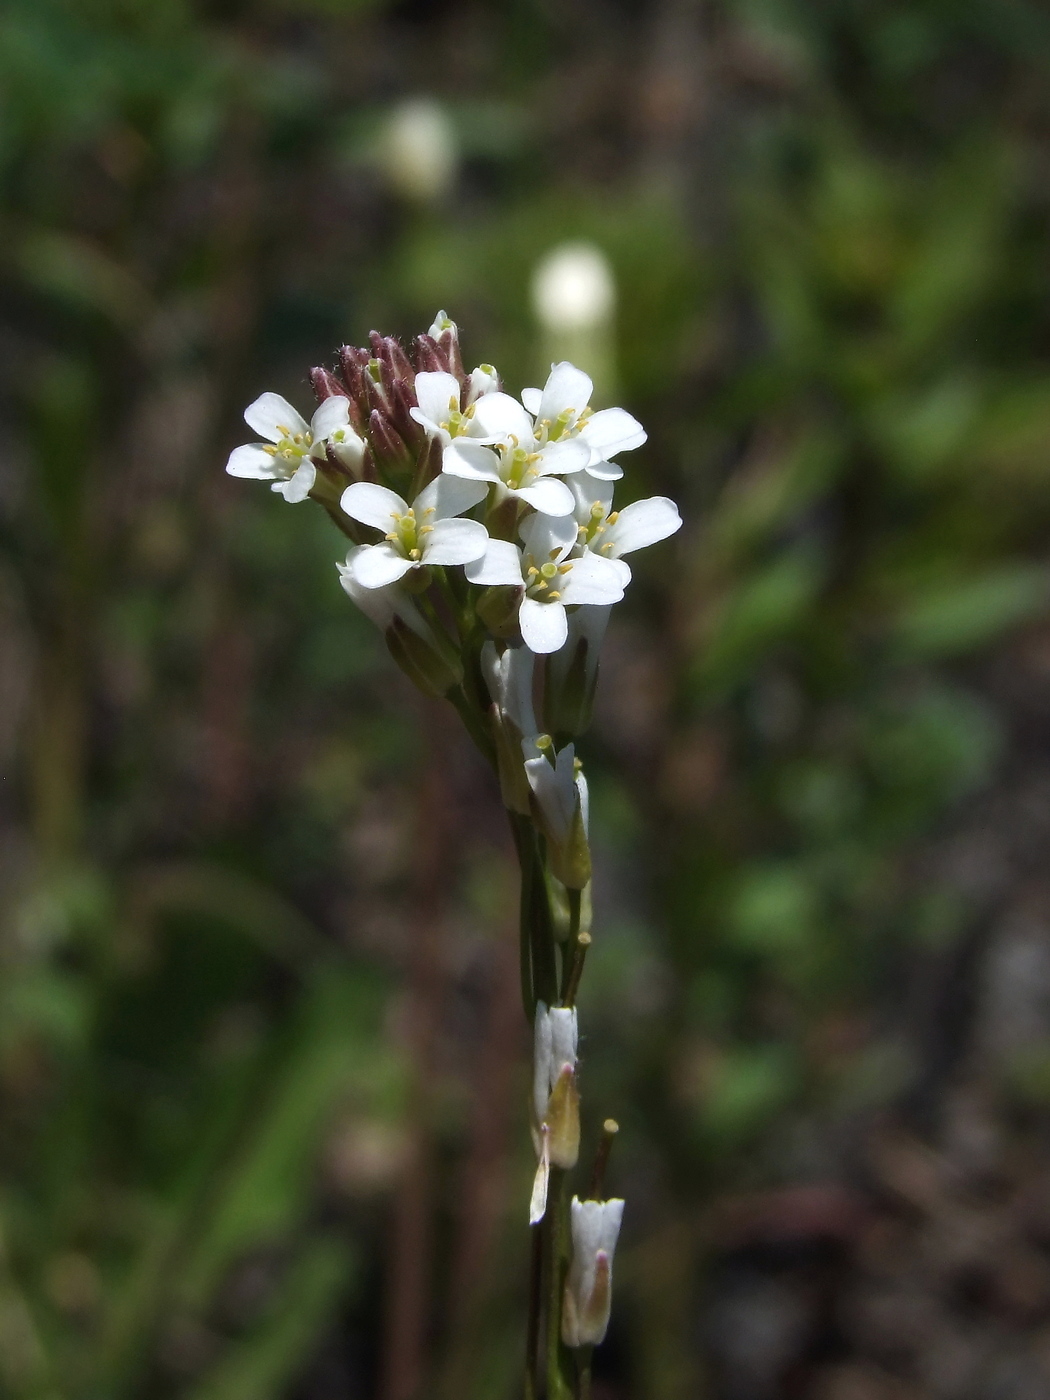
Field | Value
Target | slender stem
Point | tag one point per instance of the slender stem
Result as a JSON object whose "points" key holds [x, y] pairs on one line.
{"points": [[583, 1372], [532, 1331], [560, 1376], [573, 969], [609, 1130]]}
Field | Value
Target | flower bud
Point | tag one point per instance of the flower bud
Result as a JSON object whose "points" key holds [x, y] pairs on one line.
{"points": [[588, 1287], [325, 384], [560, 804], [498, 610], [555, 1100]]}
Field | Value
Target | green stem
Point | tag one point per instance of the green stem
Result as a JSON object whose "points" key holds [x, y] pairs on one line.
{"points": [[532, 1331], [560, 1365]]}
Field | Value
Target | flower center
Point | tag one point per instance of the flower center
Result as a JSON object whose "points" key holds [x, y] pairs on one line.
{"points": [[408, 536], [517, 467], [540, 579], [292, 447], [568, 423], [590, 533], [457, 423]]}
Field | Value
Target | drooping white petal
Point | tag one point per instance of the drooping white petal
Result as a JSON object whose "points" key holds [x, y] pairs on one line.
{"points": [[501, 417], [436, 393], [544, 626], [373, 505], [590, 490], [541, 1181], [381, 605], [499, 565], [330, 414], [273, 417], [455, 542], [562, 458], [612, 430], [462, 457], [532, 398], [378, 565], [548, 536], [567, 389], [300, 484], [593, 580], [449, 495], [547, 494], [251, 461], [606, 471], [642, 523]]}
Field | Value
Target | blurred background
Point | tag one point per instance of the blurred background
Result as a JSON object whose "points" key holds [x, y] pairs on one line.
{"points": [[262, 1063]]}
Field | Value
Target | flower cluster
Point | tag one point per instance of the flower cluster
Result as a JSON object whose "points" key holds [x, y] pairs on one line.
{"points": [[486, 546]]}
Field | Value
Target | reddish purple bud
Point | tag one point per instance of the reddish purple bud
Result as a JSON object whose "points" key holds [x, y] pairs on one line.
{"points": [[428, 357], [326, 385]]}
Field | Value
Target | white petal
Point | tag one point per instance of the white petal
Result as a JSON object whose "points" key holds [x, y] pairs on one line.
{"points": [[331, 414], [348, 447], [252, 461], [532, 398], [499, 416], [590, 490], [300, 484], [483, 380], [561, 458], [271, 416], [372, 505], [543, 626], [449, 495], [455, 542], [554, 788], [547, 494], [499, 565], [470, 459], [548, 535], [379, 564], [612, 430], [642, 523], [566, 388], [541, 1181], [605, 471], [435, 392], [542, 1050], [564, 1026], [592, 580]]}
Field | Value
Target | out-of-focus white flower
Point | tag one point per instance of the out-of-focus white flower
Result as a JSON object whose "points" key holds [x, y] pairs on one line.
{"points": [[588, 1288], [418, 535], [293, 447], [516, 463], [573, 288], [551, 581], [562, 412], [614, 533], [419, 149], [556, 1104]]}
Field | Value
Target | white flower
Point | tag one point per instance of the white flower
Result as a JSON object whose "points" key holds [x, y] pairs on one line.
{"points": [[556, 1104], [417, 535], [563, 413], [552, 582], [560, 790], [439, 412], [613, 533], [555, 1042], [288, 458], [588, 1288], [482, 380], [516, 462]]}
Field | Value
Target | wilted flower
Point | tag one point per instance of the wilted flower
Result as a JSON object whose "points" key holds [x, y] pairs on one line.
{"points": [[556, 1104], [559, 789], [588, 1288]]}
